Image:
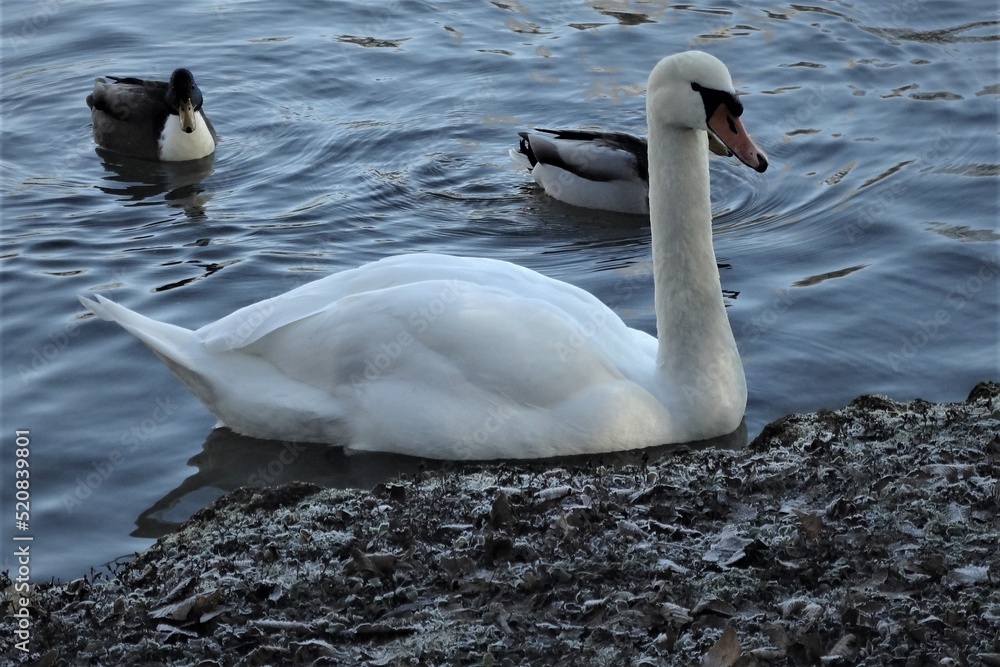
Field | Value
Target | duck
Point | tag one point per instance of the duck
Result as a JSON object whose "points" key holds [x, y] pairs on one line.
{"points": [[465, 358], [152, 120], [592, 168]]}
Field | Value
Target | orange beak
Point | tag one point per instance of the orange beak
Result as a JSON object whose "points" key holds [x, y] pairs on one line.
{"points": [[730, 131]]}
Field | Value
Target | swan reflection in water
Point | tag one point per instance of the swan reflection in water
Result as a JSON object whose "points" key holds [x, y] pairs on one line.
{"points": [[230, 461]]}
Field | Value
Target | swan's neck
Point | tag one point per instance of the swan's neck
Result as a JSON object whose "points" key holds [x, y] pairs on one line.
{"points": [[697, 351]]}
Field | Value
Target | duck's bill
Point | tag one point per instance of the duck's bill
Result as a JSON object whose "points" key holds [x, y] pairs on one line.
{"points": [[730, 131], [187, 115]]}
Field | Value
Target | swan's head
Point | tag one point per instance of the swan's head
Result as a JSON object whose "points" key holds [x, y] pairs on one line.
{"points": [[693, 90], [184, 98]]}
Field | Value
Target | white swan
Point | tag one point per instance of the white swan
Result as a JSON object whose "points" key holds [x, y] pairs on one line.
{"points": [[462, 358], [592, 169]]}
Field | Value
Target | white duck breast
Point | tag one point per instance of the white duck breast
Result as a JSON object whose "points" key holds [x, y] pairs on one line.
{"points": [[177, 145], [465, 358]]}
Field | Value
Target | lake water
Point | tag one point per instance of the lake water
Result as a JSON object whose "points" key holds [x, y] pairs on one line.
{"points": [[865, 260]]}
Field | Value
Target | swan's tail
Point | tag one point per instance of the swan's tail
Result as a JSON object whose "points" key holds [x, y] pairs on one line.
{"points": [[162, 338], [247, 393], [179, 348]]}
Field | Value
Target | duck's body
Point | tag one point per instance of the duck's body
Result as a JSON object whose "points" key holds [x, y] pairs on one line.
{"points": [[465, 358], [152, 120], [592, 169], [602, 170]]}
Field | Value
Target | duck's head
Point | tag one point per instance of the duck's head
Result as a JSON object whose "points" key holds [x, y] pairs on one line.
{"points": [[184, 98], [694, 90]]}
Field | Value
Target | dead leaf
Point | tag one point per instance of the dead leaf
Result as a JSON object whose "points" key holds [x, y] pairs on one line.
{"points": [[197, 604], [47, 660], [554, 493], [671, 566], [309, 650], [675, 614], [970, 575], [844, 649], [175, 611], [714, 606], [801, 609], [725, 652], [811, 523], [501, 513], [178, 591], [379, 565], [728, 548], [170, 631], [950, 471], [630, 529]]}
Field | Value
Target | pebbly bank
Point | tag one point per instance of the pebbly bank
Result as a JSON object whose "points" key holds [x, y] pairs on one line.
{"points": [[868, 535]]}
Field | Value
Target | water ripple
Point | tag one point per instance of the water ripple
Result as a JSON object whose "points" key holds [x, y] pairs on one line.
{"points": [[950, 35]]}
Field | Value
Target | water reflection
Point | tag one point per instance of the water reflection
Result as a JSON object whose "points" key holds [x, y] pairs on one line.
{"points": [[135, 180], [229, 461]]}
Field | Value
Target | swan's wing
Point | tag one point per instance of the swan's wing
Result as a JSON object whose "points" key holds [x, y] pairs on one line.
{"points": [[543, 357], [406, 295], [426, 355], [595, 156], [247, 325]]}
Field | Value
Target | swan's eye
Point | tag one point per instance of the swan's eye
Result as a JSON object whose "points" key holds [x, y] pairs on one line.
{"points": [[712, 98]]}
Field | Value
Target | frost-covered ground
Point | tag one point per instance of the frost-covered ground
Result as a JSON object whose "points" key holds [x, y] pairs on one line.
{"points": [[865, 536]]}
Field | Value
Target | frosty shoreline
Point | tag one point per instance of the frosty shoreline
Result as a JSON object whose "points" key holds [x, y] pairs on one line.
{"points": [[862, 536]]}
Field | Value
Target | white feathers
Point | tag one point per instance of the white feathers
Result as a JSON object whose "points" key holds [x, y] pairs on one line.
{"points": [[177, 145]]}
